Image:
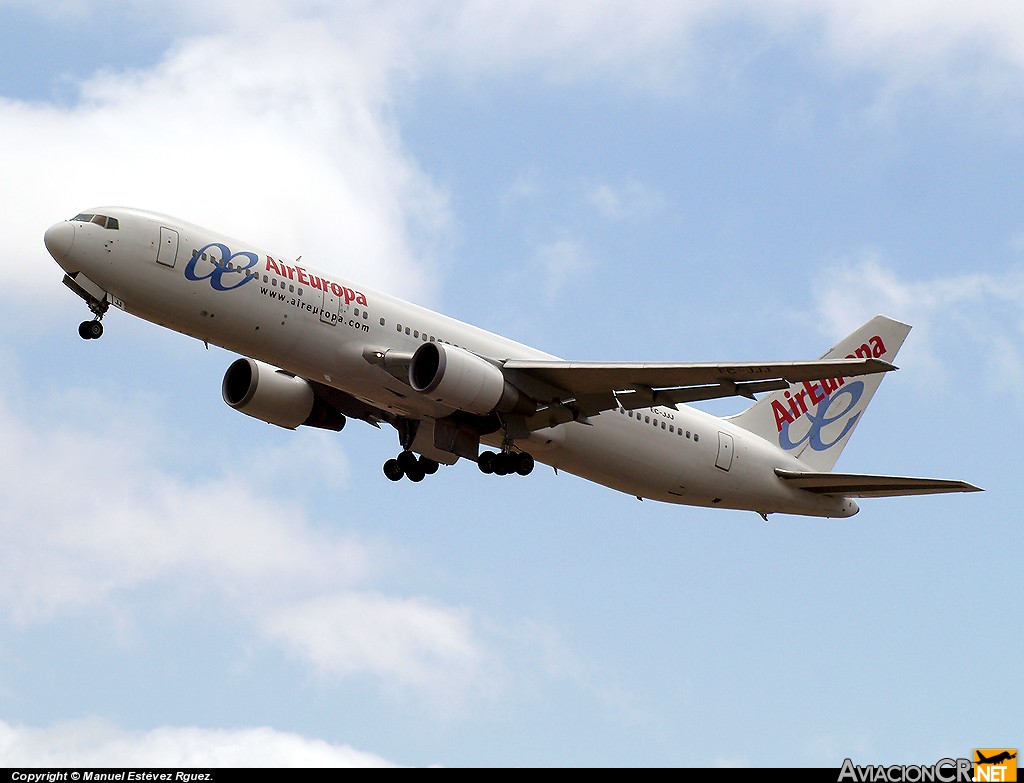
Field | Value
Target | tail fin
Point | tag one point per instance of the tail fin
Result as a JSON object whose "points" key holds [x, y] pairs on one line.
{"points": [[815, 420]]}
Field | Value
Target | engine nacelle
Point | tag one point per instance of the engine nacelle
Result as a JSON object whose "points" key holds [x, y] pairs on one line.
{"points": [[462, 380], [264, 392]]}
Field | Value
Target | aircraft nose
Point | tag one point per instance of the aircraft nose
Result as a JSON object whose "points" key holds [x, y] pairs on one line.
{"points": [[58, 239]]}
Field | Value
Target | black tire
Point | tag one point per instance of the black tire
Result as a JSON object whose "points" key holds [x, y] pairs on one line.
{"points": [[415, 473], [393, 470], [429, 466], [407, 460], [95, 330], [502, 466], [524, 464], [486, 462]]}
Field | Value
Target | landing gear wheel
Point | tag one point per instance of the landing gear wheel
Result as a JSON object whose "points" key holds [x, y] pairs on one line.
{"points": [[502, 464], [486, 462], [393, 470], [524, 464], [90, 330], [407, 461], [415, 473], [429, 466]]}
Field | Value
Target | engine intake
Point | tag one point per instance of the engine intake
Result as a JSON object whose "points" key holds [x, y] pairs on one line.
{"points": [[464, 381], [264, 392]]}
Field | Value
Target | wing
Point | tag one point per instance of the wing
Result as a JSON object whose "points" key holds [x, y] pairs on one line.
{"points": [[575, 390], [854, 485]]}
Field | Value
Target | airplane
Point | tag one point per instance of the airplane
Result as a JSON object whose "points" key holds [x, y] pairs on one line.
{"points": [[317, 349], [999, 758]]}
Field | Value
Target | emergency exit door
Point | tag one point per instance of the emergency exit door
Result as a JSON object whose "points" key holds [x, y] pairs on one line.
{"points": [[168, 250], [725, 450]]}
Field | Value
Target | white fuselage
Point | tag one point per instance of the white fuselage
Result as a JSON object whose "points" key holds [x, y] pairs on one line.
{"points": [[318, 326]]}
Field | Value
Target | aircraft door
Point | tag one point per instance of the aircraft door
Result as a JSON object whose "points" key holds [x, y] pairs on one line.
{"points": [[725, 451], [329, 312], [168, 250]]}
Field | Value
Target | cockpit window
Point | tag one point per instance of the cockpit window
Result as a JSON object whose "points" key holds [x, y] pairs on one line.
{"points": [[100, 220]]}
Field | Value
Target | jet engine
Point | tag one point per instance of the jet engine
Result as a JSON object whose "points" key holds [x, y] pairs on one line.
{"points": [[464, 381], [277, 397]]}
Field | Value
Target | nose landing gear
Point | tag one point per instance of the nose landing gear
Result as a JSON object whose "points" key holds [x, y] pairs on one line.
{"points": [[93, 330], [90, 330]]}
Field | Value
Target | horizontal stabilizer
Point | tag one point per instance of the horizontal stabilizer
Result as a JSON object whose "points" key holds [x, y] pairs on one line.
{"points": [[854, 485]]}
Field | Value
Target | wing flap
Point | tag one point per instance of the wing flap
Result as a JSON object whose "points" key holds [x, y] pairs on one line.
{"points": [[855, 485]]}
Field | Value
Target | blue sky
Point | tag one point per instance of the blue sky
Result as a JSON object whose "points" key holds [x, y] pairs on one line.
{"points": [[180, 584]]}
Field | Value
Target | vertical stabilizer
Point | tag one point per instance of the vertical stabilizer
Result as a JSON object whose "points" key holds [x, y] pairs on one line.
{"points": [[815, 420]]}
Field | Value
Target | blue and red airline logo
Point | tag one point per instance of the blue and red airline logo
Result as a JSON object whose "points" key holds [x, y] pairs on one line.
{"points": [[831, 408], [821, 405], [236, 274], [231, 271]]}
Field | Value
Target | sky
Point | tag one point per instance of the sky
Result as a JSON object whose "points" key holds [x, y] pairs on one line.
{"points": [[669, 181]]}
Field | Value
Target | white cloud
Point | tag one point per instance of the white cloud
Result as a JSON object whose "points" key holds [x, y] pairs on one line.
{"points": [[94, 743], [972, 316], [412, 642], [285, 141], [562, 261], [630, 200], [277, 125], [918, 40], [662, 44], [80, 535]]}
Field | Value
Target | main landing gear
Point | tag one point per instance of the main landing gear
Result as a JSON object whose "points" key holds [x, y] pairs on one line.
{"points": [[504, 463], [409, 465]]}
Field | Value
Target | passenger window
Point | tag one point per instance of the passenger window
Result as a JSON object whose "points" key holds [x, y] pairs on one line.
{"points": [[416, 333], [671, 427], [663, 425], [647, 419], [366, 315], [291, 288], [355, 311], [696, 437], [382, 322], [407, 330]]}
